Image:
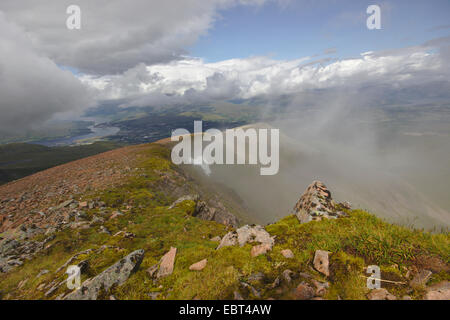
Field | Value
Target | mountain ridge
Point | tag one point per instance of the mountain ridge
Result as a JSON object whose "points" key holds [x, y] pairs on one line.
{"points": [[98, 210]]}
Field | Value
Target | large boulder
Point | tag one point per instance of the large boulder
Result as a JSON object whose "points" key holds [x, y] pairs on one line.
{"points": [[316, 203], [247, 234], [117, 274]]}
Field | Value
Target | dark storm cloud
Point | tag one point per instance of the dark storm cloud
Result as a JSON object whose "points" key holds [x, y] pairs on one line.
{"points": [[115, 35], [32, 87]]}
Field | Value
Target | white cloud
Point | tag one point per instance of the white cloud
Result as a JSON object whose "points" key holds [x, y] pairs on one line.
{"points": [[116, 35], [193, 79]]}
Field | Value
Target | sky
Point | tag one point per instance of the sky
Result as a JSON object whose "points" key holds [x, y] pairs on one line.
{"points": [[306, 28], [164, 53]]}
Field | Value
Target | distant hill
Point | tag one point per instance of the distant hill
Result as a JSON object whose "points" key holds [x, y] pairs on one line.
{"points": [[18, 160]]}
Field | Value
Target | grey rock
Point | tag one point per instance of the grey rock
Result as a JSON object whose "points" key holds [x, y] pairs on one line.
{"points": [[247, 234], [103, 229]]}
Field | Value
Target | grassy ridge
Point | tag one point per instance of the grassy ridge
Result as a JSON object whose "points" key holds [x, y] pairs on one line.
{"points": [[354, 242]]}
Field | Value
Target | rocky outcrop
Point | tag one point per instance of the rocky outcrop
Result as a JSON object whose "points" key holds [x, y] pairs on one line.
{"points": [[14, 252], [209, 211], [316, 204], [247, 234], [117, 274]]}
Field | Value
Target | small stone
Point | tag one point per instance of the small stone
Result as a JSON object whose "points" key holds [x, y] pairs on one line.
{"points": [[321, 287], [287, 253], [153, 295], [167, 263], [152, 270], [287, 275], [321, 262], [216, 239], [260, 249], [406, 298], [198, 266], [83, 204], [237, 295], [303, 292], [115, 214], [256, 278], [22, 284], [380, 294], [103, 229]]}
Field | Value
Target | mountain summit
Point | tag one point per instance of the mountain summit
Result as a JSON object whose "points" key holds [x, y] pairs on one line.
{"points": [[138, 227]]}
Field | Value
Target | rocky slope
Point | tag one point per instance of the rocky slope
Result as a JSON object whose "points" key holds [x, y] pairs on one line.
{"points": [[139, 227]]}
